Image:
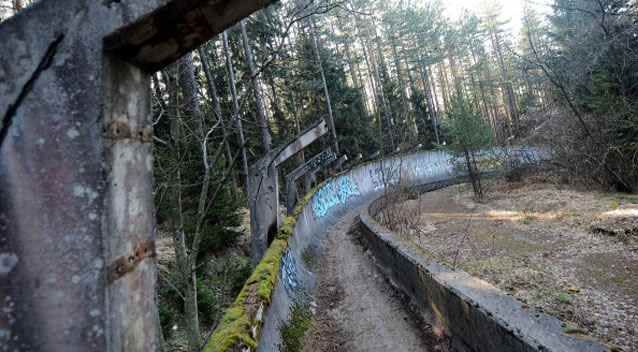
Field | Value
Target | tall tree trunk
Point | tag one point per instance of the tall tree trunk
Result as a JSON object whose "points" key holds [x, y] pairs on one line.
{"points": [[435, 97], [481, 88], [397, 67], [331, 121], [444, 85], [188, 85], [415, 104], [506, 84], [301, 157], [372, 78], [381, 64], [278, 114], [380, 72], [217, 109], [351, 65], [387, 115], [236, 114], [355, 74], [262, 119], [454, 70], [428, 96]]}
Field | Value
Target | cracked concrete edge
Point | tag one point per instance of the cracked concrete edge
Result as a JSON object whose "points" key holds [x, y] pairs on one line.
{"points": [[478, 316]]}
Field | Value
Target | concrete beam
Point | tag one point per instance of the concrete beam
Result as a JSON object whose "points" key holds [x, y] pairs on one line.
{"points": [[320, 160], [176, 28], [302, 140]]}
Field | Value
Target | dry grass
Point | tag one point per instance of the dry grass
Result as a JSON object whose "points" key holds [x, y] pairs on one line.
{"points": [[537, 240]]}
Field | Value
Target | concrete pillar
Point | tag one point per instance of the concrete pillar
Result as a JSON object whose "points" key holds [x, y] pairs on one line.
{"points": [[77, 267]]}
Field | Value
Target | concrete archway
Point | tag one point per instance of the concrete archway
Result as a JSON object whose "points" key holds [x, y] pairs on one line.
{"points": [[76, 224]]}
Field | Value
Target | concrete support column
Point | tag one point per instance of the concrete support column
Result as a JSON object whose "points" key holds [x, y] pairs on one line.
{"points": [[129, 217]]}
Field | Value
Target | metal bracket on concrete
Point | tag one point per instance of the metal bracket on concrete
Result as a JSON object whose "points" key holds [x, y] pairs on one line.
{"points": [[125, 264]]}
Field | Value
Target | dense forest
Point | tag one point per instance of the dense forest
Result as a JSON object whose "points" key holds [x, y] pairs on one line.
{"points": [[385, 75], [388, 77]]}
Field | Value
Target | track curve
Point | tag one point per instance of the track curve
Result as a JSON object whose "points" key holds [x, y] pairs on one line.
{"points": [[340, 198], [298, 282]]}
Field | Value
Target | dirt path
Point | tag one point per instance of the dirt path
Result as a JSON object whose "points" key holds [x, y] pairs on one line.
{"points": [[357, 309]]}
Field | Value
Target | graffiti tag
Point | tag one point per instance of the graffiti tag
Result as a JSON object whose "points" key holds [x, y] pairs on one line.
{"points": [[332, 194], [289, 272]]}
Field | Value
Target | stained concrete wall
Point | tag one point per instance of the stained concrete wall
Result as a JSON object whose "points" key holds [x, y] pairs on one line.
{"points": [[333, 199], [478, 316], [346, 192]]}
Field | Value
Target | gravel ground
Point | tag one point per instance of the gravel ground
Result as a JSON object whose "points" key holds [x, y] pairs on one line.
{"points": [[570, 253]]}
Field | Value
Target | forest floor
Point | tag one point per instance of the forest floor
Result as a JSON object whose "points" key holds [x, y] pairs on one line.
{"points": [[356, 308], [225, 273], [568, 252]]}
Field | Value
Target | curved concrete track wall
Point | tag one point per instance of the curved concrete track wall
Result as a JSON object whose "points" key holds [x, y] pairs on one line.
{"points": [[478, 316], [344, 193], [329, 203]]}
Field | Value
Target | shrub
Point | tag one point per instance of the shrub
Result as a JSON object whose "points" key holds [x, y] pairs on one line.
{"points": [[467, 134]]}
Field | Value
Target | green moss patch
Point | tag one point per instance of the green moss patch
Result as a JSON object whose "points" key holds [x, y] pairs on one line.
{"points": [[234, 330], [293, 332]]}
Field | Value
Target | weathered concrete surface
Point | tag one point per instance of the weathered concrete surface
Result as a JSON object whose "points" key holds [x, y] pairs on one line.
{"points": [[359, 187], [76, 217], [478, 316], [304, 139], [263, 188], [263, 201], [333, 200], [176, 28]]}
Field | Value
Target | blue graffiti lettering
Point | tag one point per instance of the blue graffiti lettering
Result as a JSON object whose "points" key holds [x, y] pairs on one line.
{"points": [[334, 193], [289, 272]]}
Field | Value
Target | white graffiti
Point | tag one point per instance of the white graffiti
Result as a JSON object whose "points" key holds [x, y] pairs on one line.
{"points": [[289, 272], [332, 194]]}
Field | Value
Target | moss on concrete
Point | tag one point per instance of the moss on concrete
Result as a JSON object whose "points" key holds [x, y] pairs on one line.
{"points": [[293, 332], [234, 331]]}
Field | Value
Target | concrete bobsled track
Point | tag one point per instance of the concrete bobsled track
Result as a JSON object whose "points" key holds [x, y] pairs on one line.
{"points": [[329, 203], [355, 189]]}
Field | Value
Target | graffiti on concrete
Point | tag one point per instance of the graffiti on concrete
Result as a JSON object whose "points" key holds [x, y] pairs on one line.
{"points": [[433, 165], [320, 160], [385, 175], [332, 194], [289, 273]]}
